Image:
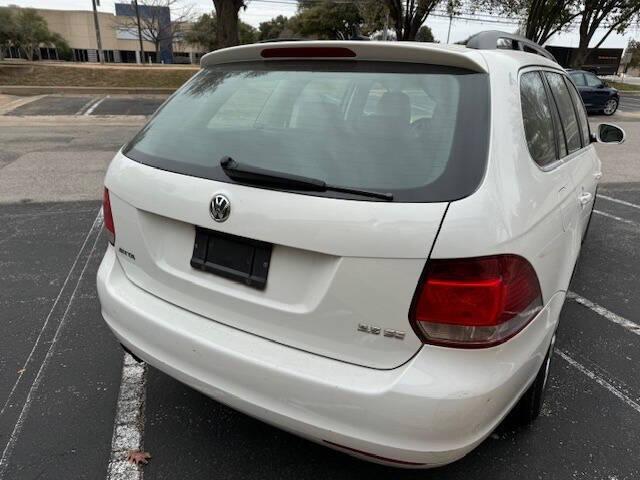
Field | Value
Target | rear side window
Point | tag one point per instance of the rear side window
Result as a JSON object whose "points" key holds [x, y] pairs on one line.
{"points": [[592, 80], [565, 108], [536, 113], [578, 79], [417, 131], [582, 113]]}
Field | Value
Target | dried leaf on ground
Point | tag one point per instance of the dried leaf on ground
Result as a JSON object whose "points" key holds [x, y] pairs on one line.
{"points": [[138, 457]]}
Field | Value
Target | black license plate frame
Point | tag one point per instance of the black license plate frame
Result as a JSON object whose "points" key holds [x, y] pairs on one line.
{"points": [[233, 257]]}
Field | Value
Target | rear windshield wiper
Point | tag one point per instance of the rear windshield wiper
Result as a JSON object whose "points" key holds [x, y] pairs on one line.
{"points": [[262, 176]]}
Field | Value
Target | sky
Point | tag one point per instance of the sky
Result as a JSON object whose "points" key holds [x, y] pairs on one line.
{"points": [[263, 10]]}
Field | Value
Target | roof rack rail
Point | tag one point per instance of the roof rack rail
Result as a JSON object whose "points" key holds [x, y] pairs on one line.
{"points": [[495, 39]]}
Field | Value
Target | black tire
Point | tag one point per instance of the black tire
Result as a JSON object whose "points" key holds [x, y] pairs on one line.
{"points": [[529, 406]]}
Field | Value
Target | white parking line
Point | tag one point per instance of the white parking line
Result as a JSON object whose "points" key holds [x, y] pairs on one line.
{"points": [[8, 449], [599, 380], [8, 107], [94, 106], [614, 217], [97, 223], [86, 106], [609, 315], [129, 422], [621, 202]]}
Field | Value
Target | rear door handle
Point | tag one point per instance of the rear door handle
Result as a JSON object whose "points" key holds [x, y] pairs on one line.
{"points": [[585, 198], [597, 175]]}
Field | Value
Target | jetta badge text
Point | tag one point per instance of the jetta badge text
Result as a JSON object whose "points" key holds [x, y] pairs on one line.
{"points": [[220, 208]]}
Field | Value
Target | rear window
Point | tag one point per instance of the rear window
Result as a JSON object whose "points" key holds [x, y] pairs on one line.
{"points": [[419, 132]]}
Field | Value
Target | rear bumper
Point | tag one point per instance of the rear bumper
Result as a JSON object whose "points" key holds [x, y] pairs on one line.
{"points": [[430, 411]]}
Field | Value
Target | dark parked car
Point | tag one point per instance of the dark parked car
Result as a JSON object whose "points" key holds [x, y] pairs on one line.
{"points": [[596, 95]]}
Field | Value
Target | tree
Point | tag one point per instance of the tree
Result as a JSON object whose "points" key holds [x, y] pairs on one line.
{"points": [[160, 21], [204, 32], [374, 15], [247, 33], [31, 31], [615, 15], [64, 51], [273, 28], [408, 16], [327, 19], [227, 29], [425, 35], [542, 18], [634, 49], [7, 30]]}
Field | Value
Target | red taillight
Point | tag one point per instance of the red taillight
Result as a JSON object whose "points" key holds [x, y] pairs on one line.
{"points": [[303, 52], [475, 302], [108, 217]]}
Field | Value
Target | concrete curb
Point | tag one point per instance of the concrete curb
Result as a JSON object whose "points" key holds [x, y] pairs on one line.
{"points": [[42, 90]]}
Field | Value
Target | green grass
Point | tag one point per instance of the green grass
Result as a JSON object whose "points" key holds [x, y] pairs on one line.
{"points": [[625, 87], [68, 76]]}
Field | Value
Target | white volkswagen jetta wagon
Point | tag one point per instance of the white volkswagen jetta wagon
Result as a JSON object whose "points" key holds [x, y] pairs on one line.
{"points": [[365, 243]]}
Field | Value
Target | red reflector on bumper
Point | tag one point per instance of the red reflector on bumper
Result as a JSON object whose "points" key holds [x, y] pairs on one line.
{"points": [[108, 217], [372, 455]]}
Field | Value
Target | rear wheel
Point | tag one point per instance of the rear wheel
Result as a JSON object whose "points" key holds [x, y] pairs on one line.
{"points": [[529, 406], [610, 107]]}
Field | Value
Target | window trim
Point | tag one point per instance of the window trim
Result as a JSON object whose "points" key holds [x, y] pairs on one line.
{"points": [[571, 85], [537, 70], [555, 116], [575, 113], [556, 108], [570, 156]]}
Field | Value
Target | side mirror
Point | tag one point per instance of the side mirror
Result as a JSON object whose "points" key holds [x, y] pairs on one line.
{"points": [[608, 133], [602, 85]]}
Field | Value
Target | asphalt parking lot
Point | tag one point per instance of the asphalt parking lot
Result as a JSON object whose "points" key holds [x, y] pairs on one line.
{"points": [[101, 105], [55, 105], [61, 370], [629, 103]]}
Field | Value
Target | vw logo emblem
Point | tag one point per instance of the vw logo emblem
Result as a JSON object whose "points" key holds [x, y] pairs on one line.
{"points": [[220, 208]]}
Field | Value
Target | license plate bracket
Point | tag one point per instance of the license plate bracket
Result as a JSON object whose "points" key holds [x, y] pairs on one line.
{"points": [[236, 258]]}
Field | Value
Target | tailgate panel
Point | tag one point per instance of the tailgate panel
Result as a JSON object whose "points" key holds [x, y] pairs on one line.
{"points": [[334, 265]]}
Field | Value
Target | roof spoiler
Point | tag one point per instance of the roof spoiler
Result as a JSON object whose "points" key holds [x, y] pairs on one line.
{"points": [[354, 50], [495, 39]]}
